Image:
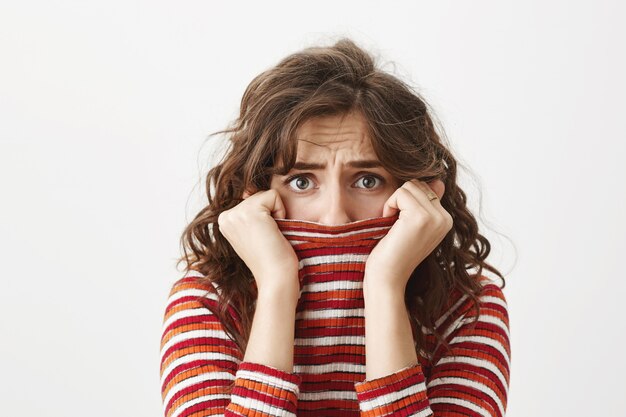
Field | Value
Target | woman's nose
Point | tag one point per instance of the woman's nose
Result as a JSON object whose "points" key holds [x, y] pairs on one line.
{"points": [[334, 209]]}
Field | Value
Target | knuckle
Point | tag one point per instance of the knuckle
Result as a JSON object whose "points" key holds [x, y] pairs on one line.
{"points": [[404, 190], [408, 184]]}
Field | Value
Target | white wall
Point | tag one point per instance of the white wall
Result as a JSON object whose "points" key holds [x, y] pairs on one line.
{"points": [[105, 108]]}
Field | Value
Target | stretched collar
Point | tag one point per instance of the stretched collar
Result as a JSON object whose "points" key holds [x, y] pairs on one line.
{"points": [[331, 253], [307, 234]]}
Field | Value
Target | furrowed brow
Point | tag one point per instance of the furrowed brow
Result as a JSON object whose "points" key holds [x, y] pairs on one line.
{"points": [[367, 163]]}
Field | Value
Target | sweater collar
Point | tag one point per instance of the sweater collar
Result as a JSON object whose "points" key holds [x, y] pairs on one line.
{"points": [[307, 234], [334, 252]]}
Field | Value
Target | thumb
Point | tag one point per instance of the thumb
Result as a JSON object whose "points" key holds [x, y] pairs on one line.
{"points": [[390, 208], [277, 208]]}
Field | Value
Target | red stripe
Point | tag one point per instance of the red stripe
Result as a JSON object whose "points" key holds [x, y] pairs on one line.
{"points": [[327, 297]]}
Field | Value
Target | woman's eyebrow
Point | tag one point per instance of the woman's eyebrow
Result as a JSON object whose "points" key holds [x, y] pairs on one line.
{"points": [[312, 166]]}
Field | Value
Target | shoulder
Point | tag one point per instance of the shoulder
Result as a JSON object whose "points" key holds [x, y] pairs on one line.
{"points": [[491, 302], [491, 292], [187, 290]]}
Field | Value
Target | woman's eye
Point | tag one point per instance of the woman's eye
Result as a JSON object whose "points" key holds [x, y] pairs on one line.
{"points": [[302, 182], [370, 180], [299, 181]]}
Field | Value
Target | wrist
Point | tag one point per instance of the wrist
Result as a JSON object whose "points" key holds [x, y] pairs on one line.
{"points": [[382, 285], [280, 292]]}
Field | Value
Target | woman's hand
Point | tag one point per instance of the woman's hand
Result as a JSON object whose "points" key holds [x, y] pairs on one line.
{"points": [[251, 230], [421, 226]]}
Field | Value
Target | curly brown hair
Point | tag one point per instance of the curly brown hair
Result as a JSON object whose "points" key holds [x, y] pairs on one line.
{"points": [[322, 81]]}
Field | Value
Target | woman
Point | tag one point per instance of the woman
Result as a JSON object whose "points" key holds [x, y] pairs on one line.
{"points": [[330, 273]]}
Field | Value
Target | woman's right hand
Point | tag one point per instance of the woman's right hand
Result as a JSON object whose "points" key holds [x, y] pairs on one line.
{"points": [[251, 230]]}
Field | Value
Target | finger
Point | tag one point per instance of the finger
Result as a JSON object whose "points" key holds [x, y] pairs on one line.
{"points": [[420, 192], [401, 200], [390, 208], [438, 187], [274, 204]]}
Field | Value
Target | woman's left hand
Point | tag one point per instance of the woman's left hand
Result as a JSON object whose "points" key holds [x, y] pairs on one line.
{"points": [[421, 226]]}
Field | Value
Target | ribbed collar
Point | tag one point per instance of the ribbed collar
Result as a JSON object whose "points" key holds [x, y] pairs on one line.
{"points": [[364, 232], [338, 252]]}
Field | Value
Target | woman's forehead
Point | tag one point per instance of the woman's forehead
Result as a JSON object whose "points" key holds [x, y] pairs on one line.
{"points": [[346, 150], [334, 128], [344, 144], [324, 137]]}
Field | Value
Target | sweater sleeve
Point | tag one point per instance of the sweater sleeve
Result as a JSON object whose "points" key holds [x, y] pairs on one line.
{"points": [[471, 379], [202, 371]]}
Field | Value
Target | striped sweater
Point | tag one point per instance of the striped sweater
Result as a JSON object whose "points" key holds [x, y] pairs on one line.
{"points": [[203, 373]]}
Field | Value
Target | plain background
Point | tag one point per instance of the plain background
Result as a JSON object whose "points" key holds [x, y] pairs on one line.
{"points": [[105, 110]]}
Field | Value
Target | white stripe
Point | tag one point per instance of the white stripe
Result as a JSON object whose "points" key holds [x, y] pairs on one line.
{"points": [[262, 377], [195, 380], [190, 292], [459, 321], [484, 318], [330, 341], [383, 400], [485, 341], [351, 368], [451, 328], [334, 236], [206, 356], [495, 320], [315, 287], [469, 383], [192, 334], [445, 315], [493, 300], [332, 259], [250, 403], [189, 312], [451, 310], [330, 313], [328, 396], [480, 363], [459, 302]]}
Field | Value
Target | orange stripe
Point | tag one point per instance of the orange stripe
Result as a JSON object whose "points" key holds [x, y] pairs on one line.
{"points": [[336, 294], [202, 392], [184, 328], [179, 353], [247, 412]]}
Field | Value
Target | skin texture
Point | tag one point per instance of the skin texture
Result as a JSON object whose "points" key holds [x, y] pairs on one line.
{"points": [[338, 194]]}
